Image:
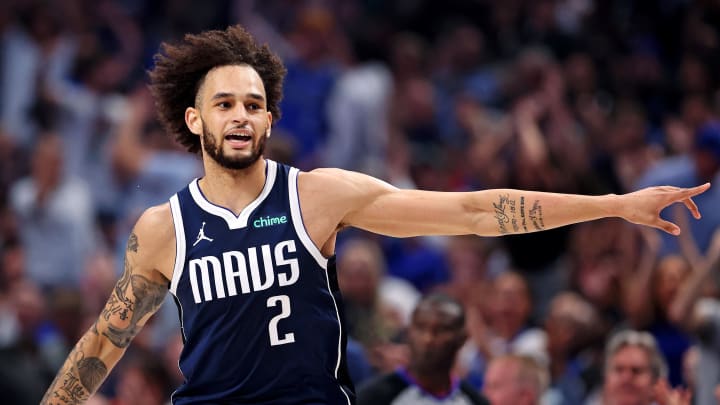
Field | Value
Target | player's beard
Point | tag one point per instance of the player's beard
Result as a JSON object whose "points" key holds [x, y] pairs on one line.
{"points": [[234, 163]]}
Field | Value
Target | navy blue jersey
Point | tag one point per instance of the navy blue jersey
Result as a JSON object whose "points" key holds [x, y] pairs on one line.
{"points": [[259, 305]]}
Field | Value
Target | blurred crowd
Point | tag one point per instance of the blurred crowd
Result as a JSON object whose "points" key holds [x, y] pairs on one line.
{"points": [[571, 96]]}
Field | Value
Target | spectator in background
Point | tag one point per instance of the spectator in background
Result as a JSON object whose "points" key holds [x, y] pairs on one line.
{"points": [[515, 380], [311, 75], [572, 327], [55, 215], [142, 380], [648, 292], [86, 101], [34, 50], [600, 253], [633, 366], [502, 328], [376, 306], [698, 312], [358, 105], [436, 333], [25, 367]]}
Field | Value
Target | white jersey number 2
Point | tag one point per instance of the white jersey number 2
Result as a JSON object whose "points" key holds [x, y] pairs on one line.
{"points": [[284, 301]]}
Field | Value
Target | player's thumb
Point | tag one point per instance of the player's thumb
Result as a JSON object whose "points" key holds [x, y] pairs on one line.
{"points": [[668, 227]]}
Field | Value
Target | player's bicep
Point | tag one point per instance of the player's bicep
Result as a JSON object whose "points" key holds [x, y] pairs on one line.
{"points": [[379, 207], [137, 295], [403, 213]]}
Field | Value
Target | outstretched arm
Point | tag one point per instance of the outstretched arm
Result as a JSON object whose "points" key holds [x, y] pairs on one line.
{"points": [[376, 206], [136, 296]]}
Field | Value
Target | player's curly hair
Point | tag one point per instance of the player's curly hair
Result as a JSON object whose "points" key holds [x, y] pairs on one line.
{"points": [[181, 68]]}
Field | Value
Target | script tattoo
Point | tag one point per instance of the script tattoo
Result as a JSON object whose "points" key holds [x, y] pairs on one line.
{"points": [[500, 214], [513, 213], [79, 377], [522, 213], [503, 205], [536, 216]]}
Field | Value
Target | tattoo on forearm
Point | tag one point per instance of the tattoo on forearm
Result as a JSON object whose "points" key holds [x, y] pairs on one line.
{"points": [[513, 215], [134, 297], [522, 213], [92, 371], [79, 377], [504, 217], [500, 214], [536, 216]]}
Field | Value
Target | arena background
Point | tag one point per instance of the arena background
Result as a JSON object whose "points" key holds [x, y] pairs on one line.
{"points": [[575, 96]]}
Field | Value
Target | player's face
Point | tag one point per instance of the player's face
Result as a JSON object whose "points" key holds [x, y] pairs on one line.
{"points": [[231, 116], [628, 378], [435, 336]]}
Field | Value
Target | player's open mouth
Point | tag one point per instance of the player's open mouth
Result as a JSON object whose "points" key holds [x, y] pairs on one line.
{"points": [[237, 137], [238, 140]]}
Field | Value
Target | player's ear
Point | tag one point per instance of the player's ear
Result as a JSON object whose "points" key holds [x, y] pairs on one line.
{"points": [[269, 127], [193, 121]]}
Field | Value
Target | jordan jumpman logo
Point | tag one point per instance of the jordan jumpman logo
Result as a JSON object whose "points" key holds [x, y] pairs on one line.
{"points": [[201, 235]]}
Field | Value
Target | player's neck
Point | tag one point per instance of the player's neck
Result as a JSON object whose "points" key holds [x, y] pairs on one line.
{"points": [[233, 189], [436, 382]]}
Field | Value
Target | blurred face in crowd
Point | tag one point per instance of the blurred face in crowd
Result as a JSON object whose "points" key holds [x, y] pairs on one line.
{"points": [[503, 385], [360, 273], [435, 335], [628, 378], [47, 161], [669, 276], [706, 163], [231, 116], [568, 321], [598, 280], [510, 306], [135, 388]]}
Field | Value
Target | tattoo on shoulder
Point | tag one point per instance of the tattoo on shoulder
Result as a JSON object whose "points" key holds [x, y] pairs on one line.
{"points": [[506, 213], [536, 216], [132, 244]]}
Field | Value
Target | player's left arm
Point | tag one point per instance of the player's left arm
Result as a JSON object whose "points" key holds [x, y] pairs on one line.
{"points": [[378, 207]]}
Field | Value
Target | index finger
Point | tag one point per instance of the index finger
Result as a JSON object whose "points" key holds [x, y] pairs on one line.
{"points": [[693, 191]]}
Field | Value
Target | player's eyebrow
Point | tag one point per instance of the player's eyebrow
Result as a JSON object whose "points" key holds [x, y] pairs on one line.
{"points": [[222, 94]]}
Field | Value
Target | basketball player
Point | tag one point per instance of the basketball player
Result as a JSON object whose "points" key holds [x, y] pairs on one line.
{"points": [[248, 250]]}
